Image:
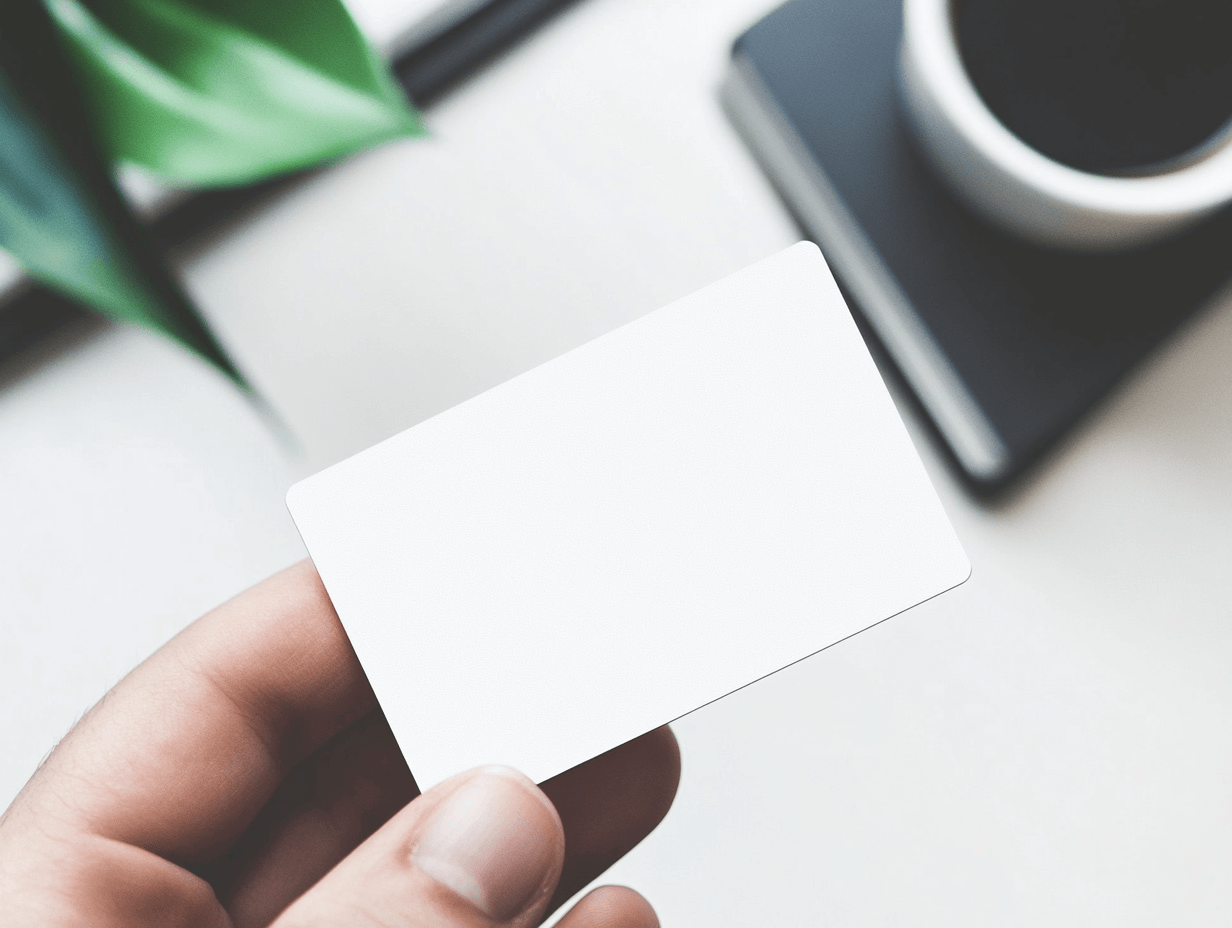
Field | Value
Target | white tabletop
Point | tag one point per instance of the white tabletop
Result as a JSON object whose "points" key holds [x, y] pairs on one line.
{"points": [[1049, 745]]}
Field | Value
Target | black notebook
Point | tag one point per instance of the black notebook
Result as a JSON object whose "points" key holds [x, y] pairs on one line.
{"points": [[1005, 345]]}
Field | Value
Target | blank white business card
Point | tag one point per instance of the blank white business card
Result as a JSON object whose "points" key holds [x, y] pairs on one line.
{"points": [[632, 530]]}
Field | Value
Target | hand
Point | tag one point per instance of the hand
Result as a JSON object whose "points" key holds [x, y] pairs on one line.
{"points": [[244, 776]]}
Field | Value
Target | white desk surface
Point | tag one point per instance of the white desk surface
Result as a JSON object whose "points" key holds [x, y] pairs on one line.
{"points": [[1049, 745]]}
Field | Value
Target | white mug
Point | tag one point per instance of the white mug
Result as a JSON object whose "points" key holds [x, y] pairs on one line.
{"points": [[1018, 188]]}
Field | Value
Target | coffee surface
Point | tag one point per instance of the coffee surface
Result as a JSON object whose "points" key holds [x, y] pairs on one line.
{"points": [[1108, 86]]}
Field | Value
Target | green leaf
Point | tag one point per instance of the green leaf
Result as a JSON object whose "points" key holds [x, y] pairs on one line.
{"points": [[219, 92], [60, 213]]}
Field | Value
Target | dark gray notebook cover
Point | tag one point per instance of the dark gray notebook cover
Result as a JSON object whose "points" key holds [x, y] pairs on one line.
{"points": [[1005, 345]]}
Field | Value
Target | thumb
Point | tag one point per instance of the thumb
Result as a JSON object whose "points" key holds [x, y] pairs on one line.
{"points": [[481, 849]]}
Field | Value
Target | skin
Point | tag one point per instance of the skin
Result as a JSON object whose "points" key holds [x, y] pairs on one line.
{"points": [[244, 776]]}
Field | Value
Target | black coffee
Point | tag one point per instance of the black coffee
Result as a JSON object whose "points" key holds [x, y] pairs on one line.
{"points": [[1109, 86]]}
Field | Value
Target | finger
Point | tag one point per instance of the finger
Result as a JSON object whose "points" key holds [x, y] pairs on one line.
{"points": [[102, 884], [482, 849], [178, 758], [322, 811], [610, 907], [337, 798], [611, 803]]}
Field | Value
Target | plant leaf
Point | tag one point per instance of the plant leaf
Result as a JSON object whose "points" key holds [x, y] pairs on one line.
{"points": [[220, 92], [61, 215]]}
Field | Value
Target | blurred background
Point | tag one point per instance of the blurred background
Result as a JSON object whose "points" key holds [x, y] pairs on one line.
{"points": [[1049, 744]]}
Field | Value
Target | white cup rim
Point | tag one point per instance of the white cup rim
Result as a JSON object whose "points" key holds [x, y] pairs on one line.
{"points": [[1099, 211]]}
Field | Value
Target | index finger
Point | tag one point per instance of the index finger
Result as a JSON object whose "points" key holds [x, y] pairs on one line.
{"points": [[181, 755]]}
